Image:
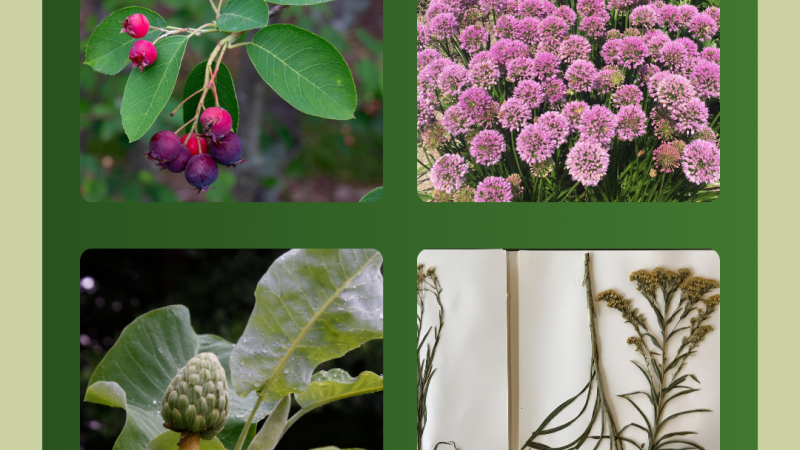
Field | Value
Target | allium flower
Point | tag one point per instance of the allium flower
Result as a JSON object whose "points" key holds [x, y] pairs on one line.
{"points": [[652, 83], [701, 162], [608, 79], [456, 121], [713, 11], [426, 106], [566, 13], [516, 185], [705, 78], [466, 195], [645, 17], [437, 8], [425, 57], [633, 52], [587, 162], [573, 48], [494, 189], [527, 30], [484, 70], [675, 56], [691, 46], [620, 5], [645, 74], [690, 116], [595, 26], [710, 54], [545, 66], [473, 38], [514, 114], [505, 50], [702, 27], [535, 144], [542, 169], [687, 12], [671, 18], [628, 94], [655, 39], [673, 90], [612, 52], [433, 136], [598, 123], [631, 122], [493, 5], [632, 32], [580, 76], [558, 125], [519, 69], [555, 90], [479, 106], [613, 34], [443, 26], [452, 79], [588, 8], [667, 157], [505, 27], [536, 8], [572, 112], [447, 174], [429, 76], [531, 92], [487, 147], [423, 37], [664, 129], [553, 29]]}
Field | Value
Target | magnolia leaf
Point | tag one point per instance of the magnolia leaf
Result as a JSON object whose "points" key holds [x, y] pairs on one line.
{"points": [[225, 92], [305, 70], [373, 195], [107, 49], [311, 306], [271, 432], [169, 441], [135, 373], [243, 15], [147, 92]]}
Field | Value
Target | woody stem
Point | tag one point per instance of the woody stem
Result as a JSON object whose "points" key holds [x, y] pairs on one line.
{"points": [[189, 441]]}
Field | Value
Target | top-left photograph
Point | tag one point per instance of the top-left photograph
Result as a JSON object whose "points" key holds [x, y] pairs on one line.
{"points": [[231, 101]]}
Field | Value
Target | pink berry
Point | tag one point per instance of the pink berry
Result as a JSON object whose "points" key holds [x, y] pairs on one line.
{"points": [[216, 123], [136, 26], [201, 172], [190, 141], [142, 54], [164, 146], [228, 151]]}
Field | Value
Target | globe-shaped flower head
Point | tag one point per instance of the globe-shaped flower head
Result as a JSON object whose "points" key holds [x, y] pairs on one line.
{"points": [[587, 162], [514, 114], [479, 106], [494, 189], [631, 122], [487, 147], [667, 157], [447, 174], [701, 162], [598, 124], [580, 76], [536, 143], [531, 92], [473, 38]]}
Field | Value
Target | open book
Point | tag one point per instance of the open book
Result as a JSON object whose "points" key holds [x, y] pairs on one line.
{"points": [[516, 345]]}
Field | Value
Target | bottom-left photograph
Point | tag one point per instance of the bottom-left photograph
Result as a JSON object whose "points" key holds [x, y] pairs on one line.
{"points": [[231, 349]]}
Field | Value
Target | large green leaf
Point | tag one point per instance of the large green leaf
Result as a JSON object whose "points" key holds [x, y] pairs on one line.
{"points": [[169, 441], [271, 432], [299, 2], [372, 196], [311, 306], [243, 15], [225, 91], [107, 49], [146, 93], [305, 70], [135, 373]]}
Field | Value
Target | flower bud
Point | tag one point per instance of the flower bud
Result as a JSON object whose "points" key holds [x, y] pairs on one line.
{"points": [[194, 402]]}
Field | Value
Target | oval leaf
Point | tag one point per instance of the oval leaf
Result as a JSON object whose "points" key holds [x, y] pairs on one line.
{"points": [[311, 306], [305, 70], [107, 48], [169, 441], [372, 196], [243, 15], [336, 384], [225, 91], [146, 93], [271, 432], [137, 370]]}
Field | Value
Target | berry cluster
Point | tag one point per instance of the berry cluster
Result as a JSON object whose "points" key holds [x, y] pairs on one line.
{"points": [[143, 53]]}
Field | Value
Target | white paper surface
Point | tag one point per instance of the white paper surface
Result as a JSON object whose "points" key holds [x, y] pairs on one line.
{"points": [[468, 396], [555, 345]]}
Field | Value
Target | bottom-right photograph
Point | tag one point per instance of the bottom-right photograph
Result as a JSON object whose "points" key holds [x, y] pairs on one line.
{"points": [[597, 349]]}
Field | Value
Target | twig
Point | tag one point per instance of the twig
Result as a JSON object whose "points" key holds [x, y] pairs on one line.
{"points": [[276, 9]]}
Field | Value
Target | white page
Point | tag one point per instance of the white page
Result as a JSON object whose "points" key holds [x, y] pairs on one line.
{"points": [[468, 397], [555, 346]]}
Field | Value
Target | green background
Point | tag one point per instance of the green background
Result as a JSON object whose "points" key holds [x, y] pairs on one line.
{"points": [[400, 226]]}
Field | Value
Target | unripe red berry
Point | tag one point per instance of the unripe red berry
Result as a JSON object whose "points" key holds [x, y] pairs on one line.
{"points": [[216, 122], [164, 146], [190, 141], [178, 164], [201, 172], [136, 26], [143, 53], [228, 151]]}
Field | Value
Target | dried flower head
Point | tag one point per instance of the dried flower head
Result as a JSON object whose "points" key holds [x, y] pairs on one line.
{"points": [[646, 282]]}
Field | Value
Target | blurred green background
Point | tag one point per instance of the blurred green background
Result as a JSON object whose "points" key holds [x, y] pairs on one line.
{"points": [[290, 156], [217, 286]]}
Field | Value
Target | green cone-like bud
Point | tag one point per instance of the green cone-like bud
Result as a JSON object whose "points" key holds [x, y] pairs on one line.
{"points": [[197, 399]]}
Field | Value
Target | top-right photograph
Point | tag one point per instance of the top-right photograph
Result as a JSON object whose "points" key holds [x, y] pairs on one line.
{"points": [[568, 100]]}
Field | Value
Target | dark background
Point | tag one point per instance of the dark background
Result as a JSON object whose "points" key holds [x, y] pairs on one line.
{"points": [[217, 286], [291, 156]]}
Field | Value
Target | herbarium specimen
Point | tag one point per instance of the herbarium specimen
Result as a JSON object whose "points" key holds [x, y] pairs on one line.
{"points": [[427, 281]]}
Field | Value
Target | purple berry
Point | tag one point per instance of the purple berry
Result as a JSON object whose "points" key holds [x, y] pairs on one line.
{"points": [[164, 146], [178, 164], [216, 122], [201, 172], [142, 54], [136, 26], [228, 151]]}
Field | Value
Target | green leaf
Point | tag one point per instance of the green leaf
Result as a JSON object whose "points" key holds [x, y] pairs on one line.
{"points": [[300, 3], [107, 49], [169, 441], [225, 91], [305, 70], [271, 432], [337, 384], [243, 15], [311, 306], [372, 196], [147, 92], [135, 373]]}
